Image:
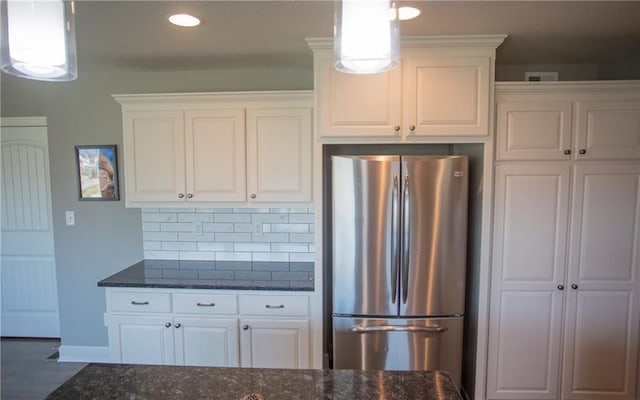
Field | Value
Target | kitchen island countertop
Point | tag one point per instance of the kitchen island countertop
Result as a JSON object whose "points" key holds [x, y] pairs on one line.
{"points": [[150, 382]]}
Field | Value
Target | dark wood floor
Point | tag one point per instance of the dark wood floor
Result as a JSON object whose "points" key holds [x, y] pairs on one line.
{"points": [[27, 373]]}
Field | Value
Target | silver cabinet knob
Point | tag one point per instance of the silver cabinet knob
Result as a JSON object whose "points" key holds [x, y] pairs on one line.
{"points": [[574, 286], [178, 325], [167, 325], [582, 151], [189, 196], [181, 195], [253, 196], [560, 287], [245, 327], [567, 152]]}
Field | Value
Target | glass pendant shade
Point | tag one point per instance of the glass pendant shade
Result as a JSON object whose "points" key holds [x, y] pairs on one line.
{"points": [[366, 36], [38, 39]]}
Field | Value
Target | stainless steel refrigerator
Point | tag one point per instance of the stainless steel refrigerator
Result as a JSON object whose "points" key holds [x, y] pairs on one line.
{"points": [[398, 262]]}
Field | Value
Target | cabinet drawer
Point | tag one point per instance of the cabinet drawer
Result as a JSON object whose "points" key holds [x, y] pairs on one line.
{"points": [[140, 302], [274, 305], [205, 303]]}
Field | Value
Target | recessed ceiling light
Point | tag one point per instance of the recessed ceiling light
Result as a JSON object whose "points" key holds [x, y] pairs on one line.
{"points": [[185, 20], [405, 13]]}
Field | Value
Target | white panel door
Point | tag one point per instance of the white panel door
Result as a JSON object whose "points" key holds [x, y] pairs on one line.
{"points": [[530, 230], [603, 307], [274, 343], [138, 339], [215, 161], [357, 104], [608, 130], [208, 342], [154, 156], [279, 155], [446, 95], [530, 130], [28, 270]]}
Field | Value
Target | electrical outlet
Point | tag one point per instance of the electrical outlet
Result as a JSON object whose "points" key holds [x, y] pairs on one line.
{"points": [[70, 218], [197, 228], [258, 229]]}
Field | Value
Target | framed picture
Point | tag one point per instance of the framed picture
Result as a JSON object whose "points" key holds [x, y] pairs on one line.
{"points": [[97, 172]]}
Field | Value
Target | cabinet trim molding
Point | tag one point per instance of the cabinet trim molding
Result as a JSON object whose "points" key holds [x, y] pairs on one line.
{"points": [[133, 101], [426, 42], [588, 87]]}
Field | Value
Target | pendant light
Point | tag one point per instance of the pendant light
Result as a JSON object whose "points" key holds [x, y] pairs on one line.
{"points": [[366, 36], [38, 39]]}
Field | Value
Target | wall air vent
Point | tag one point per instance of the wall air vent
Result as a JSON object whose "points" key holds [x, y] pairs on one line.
{"points": [[540, 76]]}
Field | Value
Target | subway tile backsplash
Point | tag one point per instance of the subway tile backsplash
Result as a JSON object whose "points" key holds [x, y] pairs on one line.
{"points": [[228, 234]]}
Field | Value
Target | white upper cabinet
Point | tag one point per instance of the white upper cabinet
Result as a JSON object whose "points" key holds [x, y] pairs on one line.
{"points": [[446, 95], [443, 88], [608, 128], [356, 104], [217, 148], [154, 155], [279, 150], [565, 121]]}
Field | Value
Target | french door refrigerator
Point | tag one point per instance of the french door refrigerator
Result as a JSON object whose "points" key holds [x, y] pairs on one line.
{"points": [[398, 262]]}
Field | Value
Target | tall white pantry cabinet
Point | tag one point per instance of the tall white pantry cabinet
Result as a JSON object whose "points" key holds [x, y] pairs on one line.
{"points": [[565, 288]]}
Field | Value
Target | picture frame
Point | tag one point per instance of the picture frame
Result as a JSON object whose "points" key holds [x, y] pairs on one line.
{"points": [[97, 167]]}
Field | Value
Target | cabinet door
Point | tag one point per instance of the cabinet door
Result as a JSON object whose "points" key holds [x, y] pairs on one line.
{"points": [[603, 304], [275, 343], [608, 130], [208, 342], [137, 339], [215, 148], [279, 154], [154, 156], [530, 230], [529, 130], [446, 95], [357, 104]]}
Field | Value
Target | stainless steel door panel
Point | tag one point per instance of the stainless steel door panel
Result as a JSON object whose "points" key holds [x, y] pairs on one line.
{"points": [[399, 344], [434, 235], [365, 254]]}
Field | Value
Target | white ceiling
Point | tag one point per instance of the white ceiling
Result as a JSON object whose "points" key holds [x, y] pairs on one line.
{"points": [[135, 35]]}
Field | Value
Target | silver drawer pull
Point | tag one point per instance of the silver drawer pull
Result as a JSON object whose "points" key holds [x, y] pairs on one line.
{"points": [[395, 328], [206, 304], [139, 303], [271, 306]]}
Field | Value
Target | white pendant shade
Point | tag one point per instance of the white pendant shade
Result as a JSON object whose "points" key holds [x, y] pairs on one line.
{"points": [[366, 36], [39, 39]]}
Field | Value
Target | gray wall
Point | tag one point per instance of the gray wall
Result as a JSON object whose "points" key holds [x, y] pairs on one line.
{"points": [[107, 236]]}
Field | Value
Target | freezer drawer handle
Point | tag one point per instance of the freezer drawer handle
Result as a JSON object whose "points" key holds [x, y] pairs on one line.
{"points": [[271, 306], [139, 303], [396, 328], [206, 304]]}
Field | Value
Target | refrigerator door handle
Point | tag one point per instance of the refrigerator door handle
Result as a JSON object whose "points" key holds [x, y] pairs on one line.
{"points": [[398, 328], [405, 241], [395, 259]]}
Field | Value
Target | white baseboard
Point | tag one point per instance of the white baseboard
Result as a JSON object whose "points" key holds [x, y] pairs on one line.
{"points": [[99, 354]]}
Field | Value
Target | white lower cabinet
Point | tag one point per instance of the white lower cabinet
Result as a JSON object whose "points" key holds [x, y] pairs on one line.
{"points": [[274, 343], [207, 342], [136, 339], [203, 329], [565, 288]]}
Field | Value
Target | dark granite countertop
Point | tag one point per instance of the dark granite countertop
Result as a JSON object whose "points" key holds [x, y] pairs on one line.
{"points": [[239, 275], [143, 382]]}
